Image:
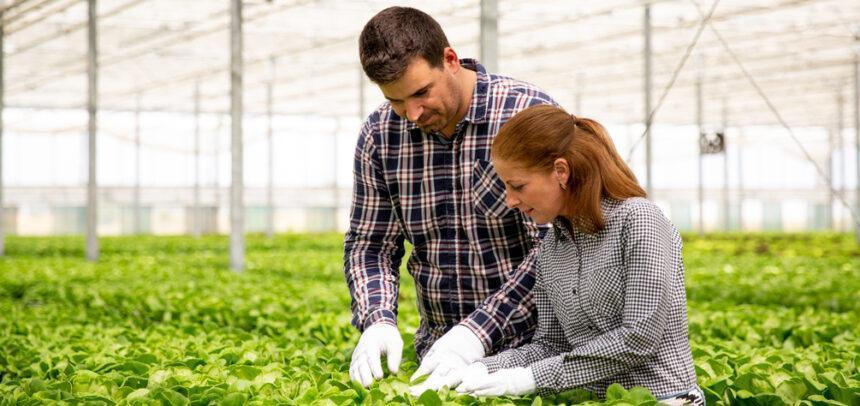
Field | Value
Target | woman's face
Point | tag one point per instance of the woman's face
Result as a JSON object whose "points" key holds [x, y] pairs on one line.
{"points": [[537, 194]]}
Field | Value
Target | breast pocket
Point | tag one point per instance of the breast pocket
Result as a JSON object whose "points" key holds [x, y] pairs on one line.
{"points": [[606, 294], [488, 191]]}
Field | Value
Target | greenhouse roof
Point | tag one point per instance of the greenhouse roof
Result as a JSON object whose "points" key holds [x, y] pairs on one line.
{"points": [[587, 54]]}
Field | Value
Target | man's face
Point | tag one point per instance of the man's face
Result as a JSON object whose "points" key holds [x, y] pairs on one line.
{"points": [[425, 95]]}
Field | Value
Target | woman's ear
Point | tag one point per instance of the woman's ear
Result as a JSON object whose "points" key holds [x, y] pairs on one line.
{"points": [[562, 170]]}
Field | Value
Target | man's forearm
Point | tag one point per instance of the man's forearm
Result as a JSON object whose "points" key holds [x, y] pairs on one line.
{"points": [[508, 314]]}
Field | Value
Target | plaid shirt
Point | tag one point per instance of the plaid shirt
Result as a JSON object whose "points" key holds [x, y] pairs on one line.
{"points": [[611, 307], [472, 257]]}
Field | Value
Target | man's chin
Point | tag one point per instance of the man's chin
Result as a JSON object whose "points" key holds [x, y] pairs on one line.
{"points": [[431, 126], [430, 129]]}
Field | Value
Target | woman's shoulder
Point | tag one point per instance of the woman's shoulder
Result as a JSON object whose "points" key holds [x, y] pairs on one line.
{"points": [[632, 204], [639, 210]]}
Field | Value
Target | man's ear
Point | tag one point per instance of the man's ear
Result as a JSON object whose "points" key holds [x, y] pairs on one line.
{"points": [[562, 170], [450, 60]]}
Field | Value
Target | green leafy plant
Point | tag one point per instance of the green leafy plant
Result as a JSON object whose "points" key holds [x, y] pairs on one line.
{"points": [[161, 321]]}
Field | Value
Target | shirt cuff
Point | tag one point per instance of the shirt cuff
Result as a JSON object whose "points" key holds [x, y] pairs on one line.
{"points": [[546, 373], [380, 316], [485, 327], [492, 363]]}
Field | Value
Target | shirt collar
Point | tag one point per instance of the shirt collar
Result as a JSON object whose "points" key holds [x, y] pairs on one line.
{"points": [[480, 96], [563, 227]]}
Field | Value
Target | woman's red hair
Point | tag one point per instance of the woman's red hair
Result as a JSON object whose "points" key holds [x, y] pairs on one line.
{"points": [[535, 137]]}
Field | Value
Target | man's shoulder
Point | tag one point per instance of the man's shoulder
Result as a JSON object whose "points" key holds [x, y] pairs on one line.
{"points": [[510, 87], [382, 113], [384, 120]]}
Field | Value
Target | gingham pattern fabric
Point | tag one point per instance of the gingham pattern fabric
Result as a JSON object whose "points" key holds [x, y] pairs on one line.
{"points": [[611, 307], [472, 257]]}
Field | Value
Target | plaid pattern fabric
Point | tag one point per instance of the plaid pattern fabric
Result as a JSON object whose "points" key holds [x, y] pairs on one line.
{"points": [[472, 257], [611, 307]]}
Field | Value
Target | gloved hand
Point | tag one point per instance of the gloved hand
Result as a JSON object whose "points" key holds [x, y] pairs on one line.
{"points": [[455, 350], [474, 370], [378, 339], [512, 382]]}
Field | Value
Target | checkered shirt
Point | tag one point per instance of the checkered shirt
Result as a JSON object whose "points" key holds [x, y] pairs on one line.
{"points": [[473, 257], [611, 307]]}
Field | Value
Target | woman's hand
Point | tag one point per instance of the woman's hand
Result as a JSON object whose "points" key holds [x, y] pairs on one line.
{"points": [[512, 381], [452, 352]]}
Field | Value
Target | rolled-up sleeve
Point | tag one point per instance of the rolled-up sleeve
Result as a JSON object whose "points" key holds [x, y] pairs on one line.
{"points": [[373, 245], [508, 314]]}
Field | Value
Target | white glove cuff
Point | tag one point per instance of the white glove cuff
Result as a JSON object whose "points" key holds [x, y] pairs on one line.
{"points": [[472, 345], [526, 380]]}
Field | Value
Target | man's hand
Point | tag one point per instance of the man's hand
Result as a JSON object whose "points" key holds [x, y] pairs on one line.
{"points": [[455, 350], [378, 339], [512, 382]]}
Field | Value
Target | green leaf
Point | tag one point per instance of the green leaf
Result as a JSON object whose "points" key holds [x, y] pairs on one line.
{"points": [[400, 387], [35, 385], [376, 394], [245, 372], [791, 391], [95, 400], [818, 400], [640, 396], [753, 383], [169, 396], [138, 368], [615, 392], [139, 393], [148, 359], [234, 399], [768, 399], [813, 384], [429, 398], [135, 382], [840, 389], [193, 362]]}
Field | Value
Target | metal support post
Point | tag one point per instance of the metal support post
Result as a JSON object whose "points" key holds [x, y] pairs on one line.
{"points": [[237, 216], [490, 35], [92, 108]]}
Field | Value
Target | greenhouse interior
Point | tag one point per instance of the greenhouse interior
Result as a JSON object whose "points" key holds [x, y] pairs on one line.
{"points": [[184, 216]]}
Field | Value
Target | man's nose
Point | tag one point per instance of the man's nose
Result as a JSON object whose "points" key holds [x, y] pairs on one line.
{"points": [[414, 111], [511, 201]]}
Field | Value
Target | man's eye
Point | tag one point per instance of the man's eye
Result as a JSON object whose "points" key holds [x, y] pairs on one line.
{"points": [[517, 187]]}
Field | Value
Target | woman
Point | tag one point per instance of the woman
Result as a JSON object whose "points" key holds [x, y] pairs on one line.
{"points": [[610, 286]]}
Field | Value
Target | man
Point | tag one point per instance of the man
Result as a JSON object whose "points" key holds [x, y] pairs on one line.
{"points": [[422, 174]]}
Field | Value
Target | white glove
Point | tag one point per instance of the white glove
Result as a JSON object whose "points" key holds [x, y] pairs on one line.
{"points": [[378, 339], [512, 382], [475, 370], [455, 350]]}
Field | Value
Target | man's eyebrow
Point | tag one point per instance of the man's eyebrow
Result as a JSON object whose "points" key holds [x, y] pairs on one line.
{"points": [[421, 90]]}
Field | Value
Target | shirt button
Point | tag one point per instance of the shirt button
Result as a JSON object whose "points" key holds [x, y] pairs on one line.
{"points": [[574, 291]]}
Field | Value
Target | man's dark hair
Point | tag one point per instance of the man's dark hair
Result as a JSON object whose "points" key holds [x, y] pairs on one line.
{"points": [[396, 35]]}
